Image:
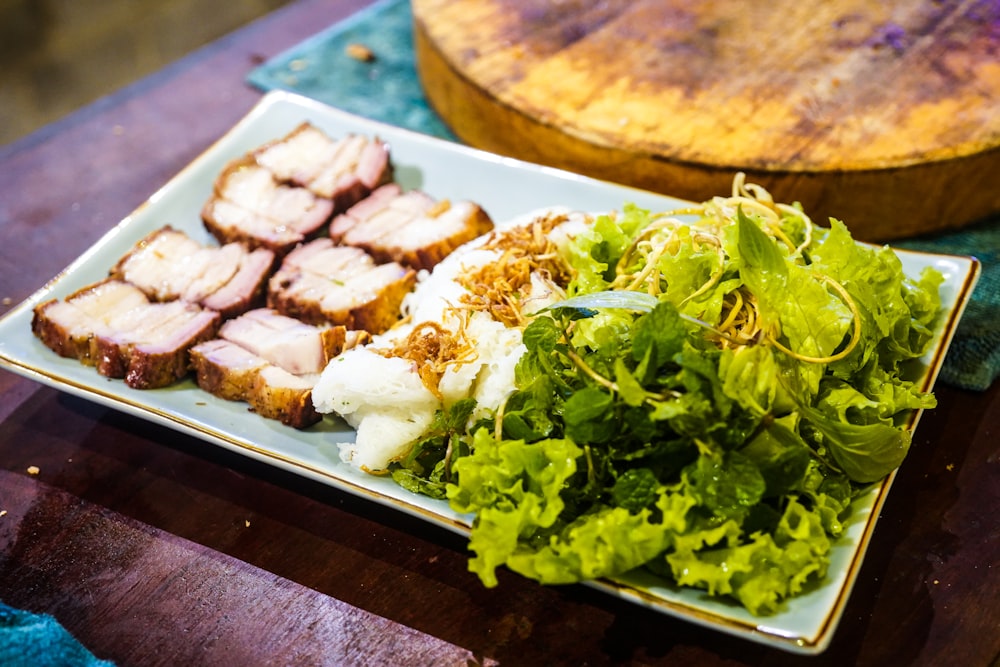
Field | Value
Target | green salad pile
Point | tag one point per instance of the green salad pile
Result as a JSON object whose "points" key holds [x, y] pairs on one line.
{"points": [[719, 384]]}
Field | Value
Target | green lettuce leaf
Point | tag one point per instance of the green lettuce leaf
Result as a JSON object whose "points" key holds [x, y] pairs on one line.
{"points": [[514, 488], [761, 571], [606, 542], [866, 453]]}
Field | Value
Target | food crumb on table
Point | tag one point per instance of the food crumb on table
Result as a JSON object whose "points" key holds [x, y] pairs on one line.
{"points": [[360, 52]]}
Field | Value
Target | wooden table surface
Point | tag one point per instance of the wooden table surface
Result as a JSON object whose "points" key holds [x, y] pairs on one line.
{"points": [[156, 548]]}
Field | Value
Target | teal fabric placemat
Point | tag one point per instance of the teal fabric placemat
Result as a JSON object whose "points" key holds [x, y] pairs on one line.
{"points": [[28, 639], [973, 360], [386, 88]]}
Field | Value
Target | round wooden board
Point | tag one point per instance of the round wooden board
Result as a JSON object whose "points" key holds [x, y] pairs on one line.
{"points": [[884, 115]]}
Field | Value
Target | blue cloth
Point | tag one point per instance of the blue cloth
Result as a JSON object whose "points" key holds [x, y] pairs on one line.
{"points": [[973, 360], [29, 639], [387, 89]]}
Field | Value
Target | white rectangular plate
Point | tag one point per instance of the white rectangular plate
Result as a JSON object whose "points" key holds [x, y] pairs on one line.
{"points": [[505, 188]]}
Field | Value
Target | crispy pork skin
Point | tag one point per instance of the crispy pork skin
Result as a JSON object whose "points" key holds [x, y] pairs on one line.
{"points": [[344, 171], [113, 326], [320, 282], [410, 228], [169, 265], [250, 205], [229, 371], [278, 394], [225, 369]]}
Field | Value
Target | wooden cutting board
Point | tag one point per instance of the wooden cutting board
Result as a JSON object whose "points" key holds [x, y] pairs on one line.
{"points": [[885, 115]]}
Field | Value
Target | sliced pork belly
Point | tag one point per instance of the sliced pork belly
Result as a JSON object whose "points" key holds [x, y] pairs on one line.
{"points": [[68, 327], [249, 205], [322, 282], [409, 227], [169, 265], [297, 347], [271, 362], [113, 326], [386, 211], [149, 347], [323, 258], [433, 236], [344, 171], [225, 369], [368, 207], [369, 301], [229, 371], [247, 288]]}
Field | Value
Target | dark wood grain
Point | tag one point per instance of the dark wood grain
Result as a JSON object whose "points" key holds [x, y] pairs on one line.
{"points": [[89, 567], [156, 548]]}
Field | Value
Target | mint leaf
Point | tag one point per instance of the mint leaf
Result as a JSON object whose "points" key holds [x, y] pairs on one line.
{"points": [[589, 415], [658, 336], [726, 485], [635, 489]]}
